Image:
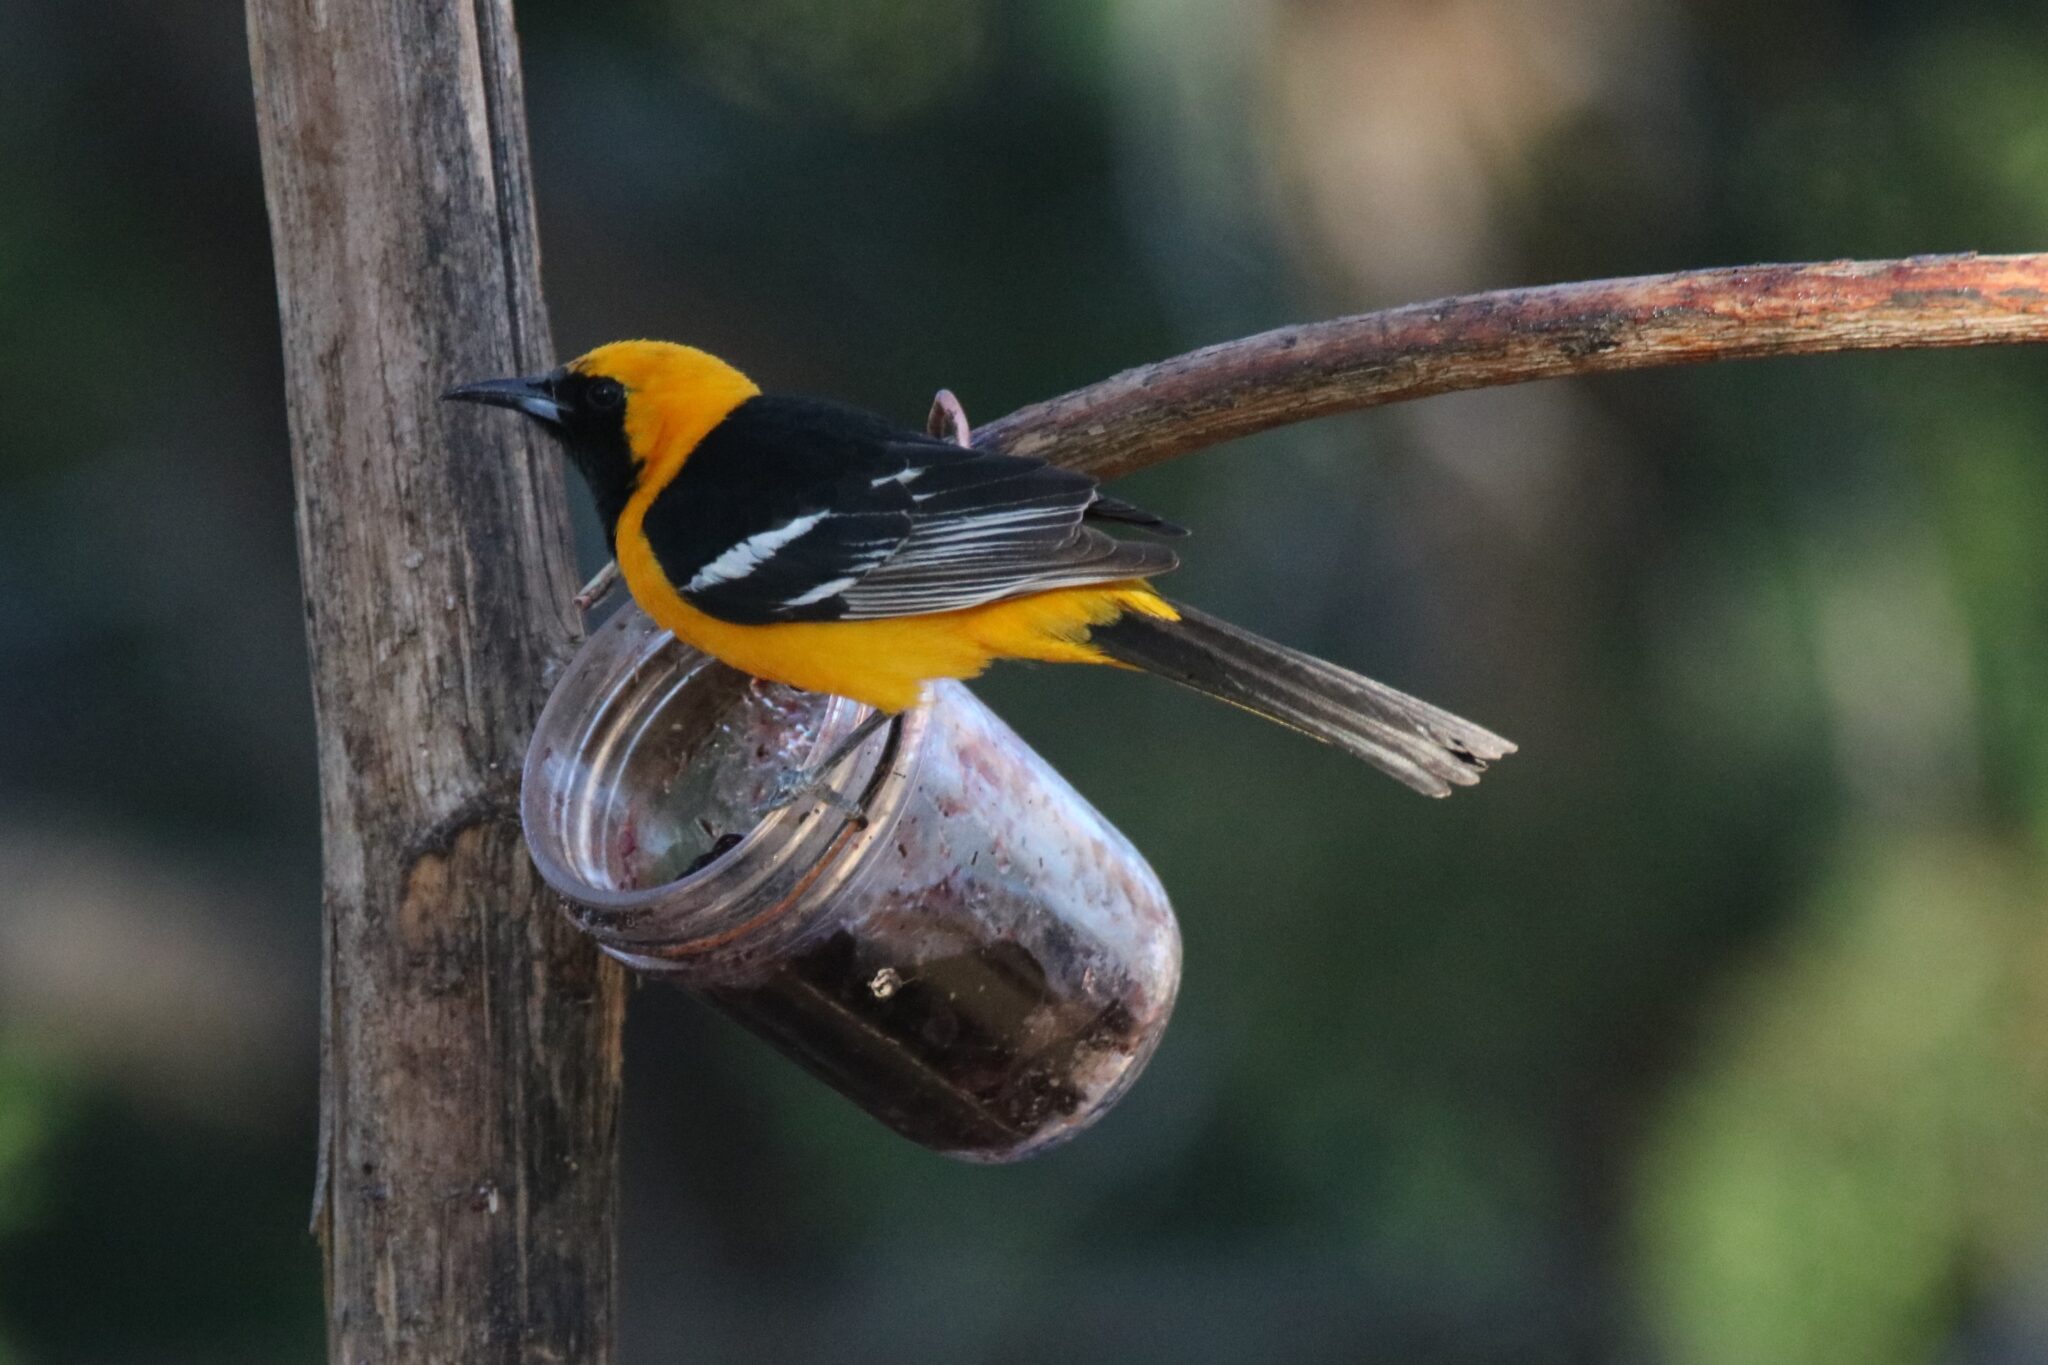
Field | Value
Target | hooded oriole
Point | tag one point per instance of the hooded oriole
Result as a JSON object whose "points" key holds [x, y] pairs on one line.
{"points": [[821, 546]]}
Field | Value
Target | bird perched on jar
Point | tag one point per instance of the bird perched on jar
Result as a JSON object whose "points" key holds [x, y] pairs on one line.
{"points": [[817, 545]]}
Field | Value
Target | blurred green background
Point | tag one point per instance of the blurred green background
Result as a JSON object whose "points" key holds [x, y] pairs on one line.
{"points": [[1712, 1028]]}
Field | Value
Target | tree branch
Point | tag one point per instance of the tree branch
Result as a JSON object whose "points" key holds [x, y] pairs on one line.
{"points": [[470, 1039], [1157, 412]]}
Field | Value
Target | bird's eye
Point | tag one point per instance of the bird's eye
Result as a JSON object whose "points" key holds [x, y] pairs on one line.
{"points": [[605, 395]]}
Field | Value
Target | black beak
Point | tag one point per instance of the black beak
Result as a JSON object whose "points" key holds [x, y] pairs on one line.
{"points": [[530, 396]]}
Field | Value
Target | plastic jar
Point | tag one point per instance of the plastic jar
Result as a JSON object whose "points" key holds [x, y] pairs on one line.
{"points": [[982, 962]]}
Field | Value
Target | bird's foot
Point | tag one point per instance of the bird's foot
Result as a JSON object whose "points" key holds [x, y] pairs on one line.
{"points": [[814, 782], [600, 587], [797, 784], [948, 419]]}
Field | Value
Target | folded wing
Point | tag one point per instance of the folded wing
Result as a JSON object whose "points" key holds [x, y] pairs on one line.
{"points": [[797, 510]]}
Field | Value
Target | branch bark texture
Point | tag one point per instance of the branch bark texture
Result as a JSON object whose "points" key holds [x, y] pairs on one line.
{"points": [[471, 1037], [1156, 412]]}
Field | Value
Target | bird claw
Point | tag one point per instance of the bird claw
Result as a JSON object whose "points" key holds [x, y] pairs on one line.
{"points": [[794, 784], [948, 419], [599, 587]]}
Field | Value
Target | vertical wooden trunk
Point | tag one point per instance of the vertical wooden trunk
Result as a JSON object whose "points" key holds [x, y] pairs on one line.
{"points": [[471, 1059]]}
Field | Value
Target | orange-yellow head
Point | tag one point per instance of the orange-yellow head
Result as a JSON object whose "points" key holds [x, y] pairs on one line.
{"points": [[629, 412]]}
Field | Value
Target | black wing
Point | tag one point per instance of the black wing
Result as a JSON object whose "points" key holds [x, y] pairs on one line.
{"points": [[799, 510]]}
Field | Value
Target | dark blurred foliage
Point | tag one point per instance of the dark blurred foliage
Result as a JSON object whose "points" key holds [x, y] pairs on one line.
{"points": [[1710, 1029]]}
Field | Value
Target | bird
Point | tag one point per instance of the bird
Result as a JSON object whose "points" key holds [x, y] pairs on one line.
{"points": [[815, 544]]}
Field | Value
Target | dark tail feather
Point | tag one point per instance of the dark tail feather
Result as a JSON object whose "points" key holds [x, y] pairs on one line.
{"points": [[1106, 508], [1410, 740]]}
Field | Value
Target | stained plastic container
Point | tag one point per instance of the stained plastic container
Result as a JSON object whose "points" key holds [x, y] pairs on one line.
{"points": [[981, 961]]}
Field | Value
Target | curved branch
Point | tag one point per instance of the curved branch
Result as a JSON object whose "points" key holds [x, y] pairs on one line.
{"points": [[1156, 412]]}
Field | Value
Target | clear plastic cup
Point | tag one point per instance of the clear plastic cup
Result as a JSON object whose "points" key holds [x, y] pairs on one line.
{"points": [[982, 961]]}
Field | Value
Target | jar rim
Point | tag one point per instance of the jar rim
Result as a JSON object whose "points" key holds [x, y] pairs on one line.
{"points": [[610, 662], [838, 853]]}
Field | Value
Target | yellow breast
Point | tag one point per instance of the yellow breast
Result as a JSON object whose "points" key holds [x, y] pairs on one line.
{"points": [[884, 663]]}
